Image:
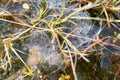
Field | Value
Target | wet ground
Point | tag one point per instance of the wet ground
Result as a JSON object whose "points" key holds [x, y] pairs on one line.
{"points": [[40, 41]]}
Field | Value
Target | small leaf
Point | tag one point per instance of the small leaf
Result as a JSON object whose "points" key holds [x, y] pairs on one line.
{"points": [[24, 71], [62, 77], [26, 6], [115, 40], [14, 1], [118, 36], [67, 77], [115, 33]]}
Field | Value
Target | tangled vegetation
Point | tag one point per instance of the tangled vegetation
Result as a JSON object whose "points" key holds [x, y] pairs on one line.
{"points": [[60, 39]]}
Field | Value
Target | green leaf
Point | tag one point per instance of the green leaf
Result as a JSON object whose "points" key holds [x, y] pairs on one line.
{"points": [[115, 33], [118, 36]]}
